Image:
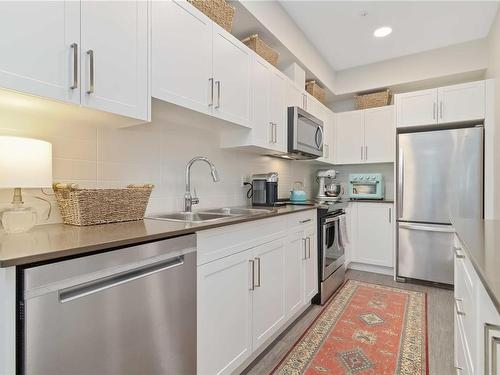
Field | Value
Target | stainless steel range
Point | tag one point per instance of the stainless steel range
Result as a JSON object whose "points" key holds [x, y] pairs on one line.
{"points": [[331, 249]]}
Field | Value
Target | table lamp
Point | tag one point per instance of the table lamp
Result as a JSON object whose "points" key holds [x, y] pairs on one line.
{"points": [[24, 163]]}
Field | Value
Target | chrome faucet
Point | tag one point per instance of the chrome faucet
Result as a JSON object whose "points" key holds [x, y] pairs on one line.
{"points": [[188, 199]]}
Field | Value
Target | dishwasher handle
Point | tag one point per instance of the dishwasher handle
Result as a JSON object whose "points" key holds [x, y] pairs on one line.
{"points": [[98, 285]]}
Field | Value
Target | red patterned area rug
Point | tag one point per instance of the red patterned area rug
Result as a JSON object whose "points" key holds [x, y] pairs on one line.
{"points": [[364, 329]]}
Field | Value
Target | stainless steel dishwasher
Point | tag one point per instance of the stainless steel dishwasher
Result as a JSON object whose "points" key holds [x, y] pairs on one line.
{"points": [[127, 311]]}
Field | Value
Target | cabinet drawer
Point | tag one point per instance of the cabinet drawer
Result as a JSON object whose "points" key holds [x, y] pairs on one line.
{"points": [[217, 243], [301, 219]]}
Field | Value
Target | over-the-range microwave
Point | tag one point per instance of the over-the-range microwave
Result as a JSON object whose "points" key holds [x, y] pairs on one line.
{"points": [[305, 134]]}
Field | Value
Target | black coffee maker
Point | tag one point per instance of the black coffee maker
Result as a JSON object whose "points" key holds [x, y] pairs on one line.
{"points": [[265, 189]]}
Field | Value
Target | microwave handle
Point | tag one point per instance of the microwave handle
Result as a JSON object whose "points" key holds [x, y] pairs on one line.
{"points": [[320, 145]]}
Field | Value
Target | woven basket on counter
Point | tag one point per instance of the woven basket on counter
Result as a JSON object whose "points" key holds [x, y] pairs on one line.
{"points": [[101, 206], [261, 48], [315, 90], [218, 11], [375, 99]]}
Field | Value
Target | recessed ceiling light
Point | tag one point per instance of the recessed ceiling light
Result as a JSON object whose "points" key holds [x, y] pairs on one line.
{"points": [[382, 31]]}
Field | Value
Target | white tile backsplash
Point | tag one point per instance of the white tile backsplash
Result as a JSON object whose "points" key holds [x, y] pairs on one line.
{"points": [[152, 153]]}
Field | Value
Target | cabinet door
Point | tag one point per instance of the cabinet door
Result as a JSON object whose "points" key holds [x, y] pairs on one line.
{"points": [[269, 294], [232, 71], [294, 257], [262, 124], [310, 264], [462, 102], [181, 55], [278, 110], [416, 108], [294, 96], [115, 49], [374, 240], [36, 47], [380, 135], [350, 137], [224, 314]]}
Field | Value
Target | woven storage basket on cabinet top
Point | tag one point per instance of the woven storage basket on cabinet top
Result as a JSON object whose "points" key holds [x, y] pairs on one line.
{"points": [[261, 48], [101, 206], [315, 90], [218, 11], [375, 99]]}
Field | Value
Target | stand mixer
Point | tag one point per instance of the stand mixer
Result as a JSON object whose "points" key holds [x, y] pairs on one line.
{"points": [[325, 194]]}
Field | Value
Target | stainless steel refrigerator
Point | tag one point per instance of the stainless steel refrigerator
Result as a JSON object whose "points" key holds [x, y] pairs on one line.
{"points": [[439, 175]]}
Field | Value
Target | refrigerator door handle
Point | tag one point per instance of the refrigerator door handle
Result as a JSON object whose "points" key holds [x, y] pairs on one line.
{"points": [[401, 182], [428, 228]]}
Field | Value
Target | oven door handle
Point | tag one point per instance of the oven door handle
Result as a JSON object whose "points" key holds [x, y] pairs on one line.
{"points": [[333, 219]]}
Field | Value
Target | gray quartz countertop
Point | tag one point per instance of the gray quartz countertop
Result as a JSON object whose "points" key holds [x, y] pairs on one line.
{"points": [[481, 239], [56, 241]]}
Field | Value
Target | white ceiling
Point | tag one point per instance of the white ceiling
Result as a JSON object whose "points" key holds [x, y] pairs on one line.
{"points": [[345, 37]]}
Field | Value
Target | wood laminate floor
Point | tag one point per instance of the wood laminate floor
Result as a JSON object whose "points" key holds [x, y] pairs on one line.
{"points": [[440, 327]]}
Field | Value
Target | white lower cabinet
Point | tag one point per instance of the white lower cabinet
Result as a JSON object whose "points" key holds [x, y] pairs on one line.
{"points": [[477, 321], [310, 264], [268, 295], [253, 279], [373, 242], [224, 314]]}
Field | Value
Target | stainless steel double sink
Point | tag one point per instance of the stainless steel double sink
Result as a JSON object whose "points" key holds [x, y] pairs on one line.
{"points": [[211, 215]]}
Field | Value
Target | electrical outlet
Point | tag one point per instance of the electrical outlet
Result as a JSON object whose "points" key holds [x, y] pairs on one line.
{"points": [[243, 180]]}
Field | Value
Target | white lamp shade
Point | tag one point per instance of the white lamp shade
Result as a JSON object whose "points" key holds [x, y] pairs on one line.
{"points": [[25, 163]]}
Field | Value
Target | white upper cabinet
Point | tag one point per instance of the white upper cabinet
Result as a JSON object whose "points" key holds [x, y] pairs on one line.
{"points": [[374, 234], [114, 56], [90, 52], [365, 136], [262, 125], [40, 46], [350, 141], [294, 96], [416, 108], [457, 103], [279, 110], [231, 73], [181, 55], [380, 134], [462, 102]]}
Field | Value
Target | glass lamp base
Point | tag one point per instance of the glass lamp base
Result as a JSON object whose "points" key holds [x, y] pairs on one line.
{"points": [[18, 219]]}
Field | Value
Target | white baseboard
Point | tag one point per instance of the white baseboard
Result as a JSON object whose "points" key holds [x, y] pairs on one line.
{"points": [[370, 268]]}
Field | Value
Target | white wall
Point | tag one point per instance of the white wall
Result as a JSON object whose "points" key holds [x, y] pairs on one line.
{"points": [[279, 23], [493, 71], [150, 153], [448, 61]]}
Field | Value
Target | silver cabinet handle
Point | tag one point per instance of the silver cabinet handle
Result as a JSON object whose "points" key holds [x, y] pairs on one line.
{"points": [[308, 247], [218, 84], [271, 136], [305, 221], [441, 110], [275, 133], [74, 47], [366, 152], [99, 285], [211, 82], [434, 110], [458, 370], [458, 255], [459, 312], [304, 241], [90, 53], [252, 273], [390, 214], [361, 152], [257, 260]]}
